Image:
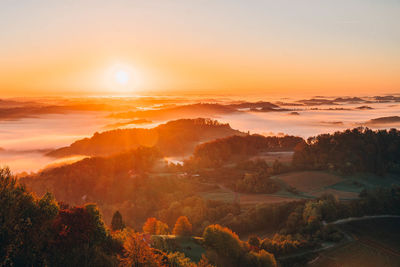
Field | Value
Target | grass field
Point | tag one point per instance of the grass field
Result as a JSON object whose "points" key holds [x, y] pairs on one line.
{"points": [[227, 195], [309, 181], [357, 182], [338, 193], [311, 184], [306, 185], [316, 183], [376, 243], [190, 246]]}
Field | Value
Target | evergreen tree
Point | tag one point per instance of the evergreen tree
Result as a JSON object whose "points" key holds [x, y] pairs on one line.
{"points": [[117, 222]]}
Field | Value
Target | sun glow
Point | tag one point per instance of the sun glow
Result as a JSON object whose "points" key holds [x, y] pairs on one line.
{"points": [[122, 78]]}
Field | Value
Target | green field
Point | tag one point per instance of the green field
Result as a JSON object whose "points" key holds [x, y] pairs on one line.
{"points": [[356, 183], [190, 246], [315, 183]]}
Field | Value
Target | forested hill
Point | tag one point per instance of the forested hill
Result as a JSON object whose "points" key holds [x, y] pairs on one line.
{"points": [[216, 152], [356, 150], [100, 179], [173, 138]]}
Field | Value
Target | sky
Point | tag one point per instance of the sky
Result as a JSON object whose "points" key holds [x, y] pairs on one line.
{"points": [[98, 47]]}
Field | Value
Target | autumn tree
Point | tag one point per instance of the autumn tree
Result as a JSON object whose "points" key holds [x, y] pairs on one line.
{"points": [[223, 241], [155, 227], [178, 259], [36, 232], [182, 227], [81, 239], [139, 253], [204, 262]]}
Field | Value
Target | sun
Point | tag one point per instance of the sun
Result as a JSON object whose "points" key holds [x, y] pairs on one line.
{"points": [[122, 77]]}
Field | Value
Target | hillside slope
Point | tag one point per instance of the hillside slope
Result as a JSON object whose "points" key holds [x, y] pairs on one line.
{"points": [[173, 138]]}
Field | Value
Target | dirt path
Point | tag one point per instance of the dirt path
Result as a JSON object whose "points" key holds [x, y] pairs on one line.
{"points": [[352, 219]]}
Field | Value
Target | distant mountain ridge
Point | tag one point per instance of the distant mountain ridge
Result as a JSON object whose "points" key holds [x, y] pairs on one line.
{"points": [[174, 138], [384, 120], [184, 111]]}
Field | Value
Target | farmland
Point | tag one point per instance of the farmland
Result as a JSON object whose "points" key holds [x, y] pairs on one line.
{"points": [[375, 242], [297, 185]]}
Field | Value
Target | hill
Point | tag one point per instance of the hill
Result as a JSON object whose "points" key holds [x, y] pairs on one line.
{"points": [[173, 138], [232, 148], [383, 120], [350, 151]]}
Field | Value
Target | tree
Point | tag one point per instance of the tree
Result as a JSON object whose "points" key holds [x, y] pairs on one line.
{"points": [[277, 166], [117, 222], [178, 259], [36, 232], [81, 239], [182, 227], [150, 226], [162, 228], [254, 241], [204, 262], [260, 259], [25, 222], [155, 227], [138, 253], [223, 241]]}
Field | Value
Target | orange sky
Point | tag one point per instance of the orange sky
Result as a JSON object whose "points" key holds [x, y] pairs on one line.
{"points": [[302, 47]]}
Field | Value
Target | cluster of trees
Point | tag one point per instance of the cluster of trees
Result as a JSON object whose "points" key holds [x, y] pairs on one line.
{"points": [[40, 232], [305, 218], [256, 177], [356, 150], [118, 182], [218, 152], [256, 183], [200, 212], [250, 176], [92, 178], [155, 227], [139, 251], [281, 244], [226, 249], [124, 182], [261, 166], [172, 138]]}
